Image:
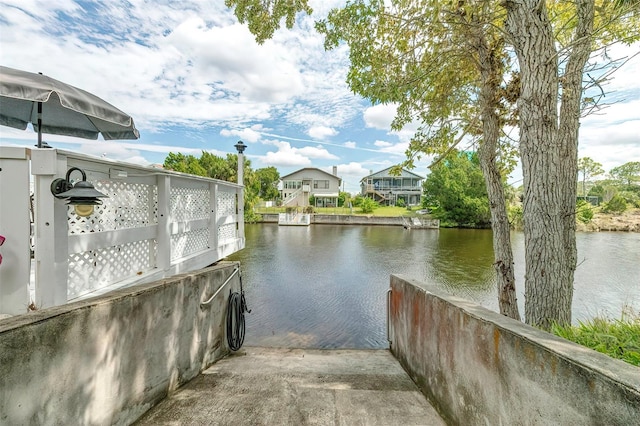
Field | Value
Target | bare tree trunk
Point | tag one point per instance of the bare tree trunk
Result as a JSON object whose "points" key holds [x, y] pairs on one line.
{"points": [[490, 72], [549, 161]]}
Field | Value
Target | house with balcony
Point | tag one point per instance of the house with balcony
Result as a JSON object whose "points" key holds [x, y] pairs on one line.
{"points": [[387, 189], [296, 188]]}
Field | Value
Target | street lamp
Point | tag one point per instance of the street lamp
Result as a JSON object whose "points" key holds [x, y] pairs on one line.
{"points": [[82, 195], [240, 146]]}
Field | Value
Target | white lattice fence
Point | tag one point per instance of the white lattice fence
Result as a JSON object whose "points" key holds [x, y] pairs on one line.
{"points": [[153, 224], [190, 205]]}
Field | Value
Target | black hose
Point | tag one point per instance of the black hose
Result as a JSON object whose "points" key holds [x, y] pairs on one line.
{"points": [[235, 318]]}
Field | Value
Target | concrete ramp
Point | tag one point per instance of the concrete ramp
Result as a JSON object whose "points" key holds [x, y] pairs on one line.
{"points": [[264, 386]]}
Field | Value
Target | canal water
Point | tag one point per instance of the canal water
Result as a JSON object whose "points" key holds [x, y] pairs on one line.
{"points": [[324, 286]]}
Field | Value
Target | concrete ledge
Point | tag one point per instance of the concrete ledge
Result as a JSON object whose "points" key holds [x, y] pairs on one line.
{"points": [[108, 359], [478, 367], [344, 219]]}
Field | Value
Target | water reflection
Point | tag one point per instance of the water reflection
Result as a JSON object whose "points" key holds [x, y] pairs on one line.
{"points": [[324, 286]]}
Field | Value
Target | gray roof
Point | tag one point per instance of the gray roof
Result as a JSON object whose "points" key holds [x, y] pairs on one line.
{"points": [[385, 173], [309, 168]]}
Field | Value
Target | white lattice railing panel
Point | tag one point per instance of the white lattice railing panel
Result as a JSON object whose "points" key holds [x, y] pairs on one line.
{"points": [[189, 203], [188, 243], [226, 204], [228, 231], [95, 269], [129, 205]]}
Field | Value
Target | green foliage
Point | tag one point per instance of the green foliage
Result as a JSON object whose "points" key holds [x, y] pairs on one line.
{"points": [[220, 168], [619, 339], [631, 197], [628, 173], [419, 55], [616, 205], [250, 216], [357, 200], [584, 212], [264, 17], [588, 169], [268, 178], [343, 199], [368, 205], [184, 164], [456, 186], [401, 203], [312, 200], [514, 213]]}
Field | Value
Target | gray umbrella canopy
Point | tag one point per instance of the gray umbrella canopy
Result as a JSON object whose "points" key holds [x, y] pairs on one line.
{"points": [[58, 108]]}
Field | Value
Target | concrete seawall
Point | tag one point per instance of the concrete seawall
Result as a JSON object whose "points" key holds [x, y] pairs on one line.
{"points": [[108, 359], [343, 219], [478, 367]]}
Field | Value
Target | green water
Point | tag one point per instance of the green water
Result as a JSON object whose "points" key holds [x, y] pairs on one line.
{"points": [[324, 286]]}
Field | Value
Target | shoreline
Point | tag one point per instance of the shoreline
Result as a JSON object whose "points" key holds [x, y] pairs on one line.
{"points": [[629, 221]]}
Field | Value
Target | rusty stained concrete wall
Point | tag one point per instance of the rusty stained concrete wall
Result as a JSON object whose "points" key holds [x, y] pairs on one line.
{"points": [[108, 359], [478, 367]]}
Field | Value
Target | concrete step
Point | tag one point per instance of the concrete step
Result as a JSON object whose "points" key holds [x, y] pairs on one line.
{"points": [[266, 386]]}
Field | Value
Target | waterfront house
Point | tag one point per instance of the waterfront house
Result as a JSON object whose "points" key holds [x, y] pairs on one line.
{"points": [[387, 189], [296, 188]]}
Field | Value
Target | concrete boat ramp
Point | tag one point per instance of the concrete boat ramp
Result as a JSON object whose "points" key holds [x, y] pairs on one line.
{"points": [[265, 386]]}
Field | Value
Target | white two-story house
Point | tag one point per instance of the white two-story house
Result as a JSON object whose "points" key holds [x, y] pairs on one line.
{"points": [[296, 188], [387, 189]]}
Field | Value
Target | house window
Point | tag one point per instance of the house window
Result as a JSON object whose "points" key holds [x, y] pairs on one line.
{"points": [[292, 184], [320, 184]]}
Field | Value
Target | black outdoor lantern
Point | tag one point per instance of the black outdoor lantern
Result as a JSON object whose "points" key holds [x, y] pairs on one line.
{"points": [[82, 195], [240, 146]]}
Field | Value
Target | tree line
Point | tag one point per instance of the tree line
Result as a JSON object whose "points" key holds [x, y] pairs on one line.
{"points": [[455, 193]]}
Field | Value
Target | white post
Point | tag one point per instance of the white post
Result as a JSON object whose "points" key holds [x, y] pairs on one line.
{"points": [[164, 233], [240, 146], [51, 253], [213, 218], [15, 270]]}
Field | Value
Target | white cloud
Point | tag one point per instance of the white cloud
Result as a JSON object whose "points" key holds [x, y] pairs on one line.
{"points": [[398, 148], [285, 159], [286, 155], [380, 116], [321, 132], [382, 144], [352, 169], [248, 134], [350, 144], [317, 152]]}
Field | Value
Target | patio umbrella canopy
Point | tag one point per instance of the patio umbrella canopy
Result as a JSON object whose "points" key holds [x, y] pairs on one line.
{"points": [[58, 108]]}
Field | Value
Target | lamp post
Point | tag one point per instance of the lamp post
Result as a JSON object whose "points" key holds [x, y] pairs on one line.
{"points": [[240, 146]]}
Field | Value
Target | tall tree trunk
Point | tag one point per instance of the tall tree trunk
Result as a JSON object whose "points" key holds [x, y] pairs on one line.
{"points": [[549, 161], [490, 72]]}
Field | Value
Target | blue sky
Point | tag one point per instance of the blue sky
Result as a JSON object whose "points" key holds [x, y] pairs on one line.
{"points": [[194, 79]]}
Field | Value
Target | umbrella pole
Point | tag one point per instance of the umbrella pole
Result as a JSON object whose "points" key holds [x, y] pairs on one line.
{"points": [[39, 124]]}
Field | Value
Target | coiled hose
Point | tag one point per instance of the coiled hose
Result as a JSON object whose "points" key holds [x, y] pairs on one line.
{"points": [[235, 318]]}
